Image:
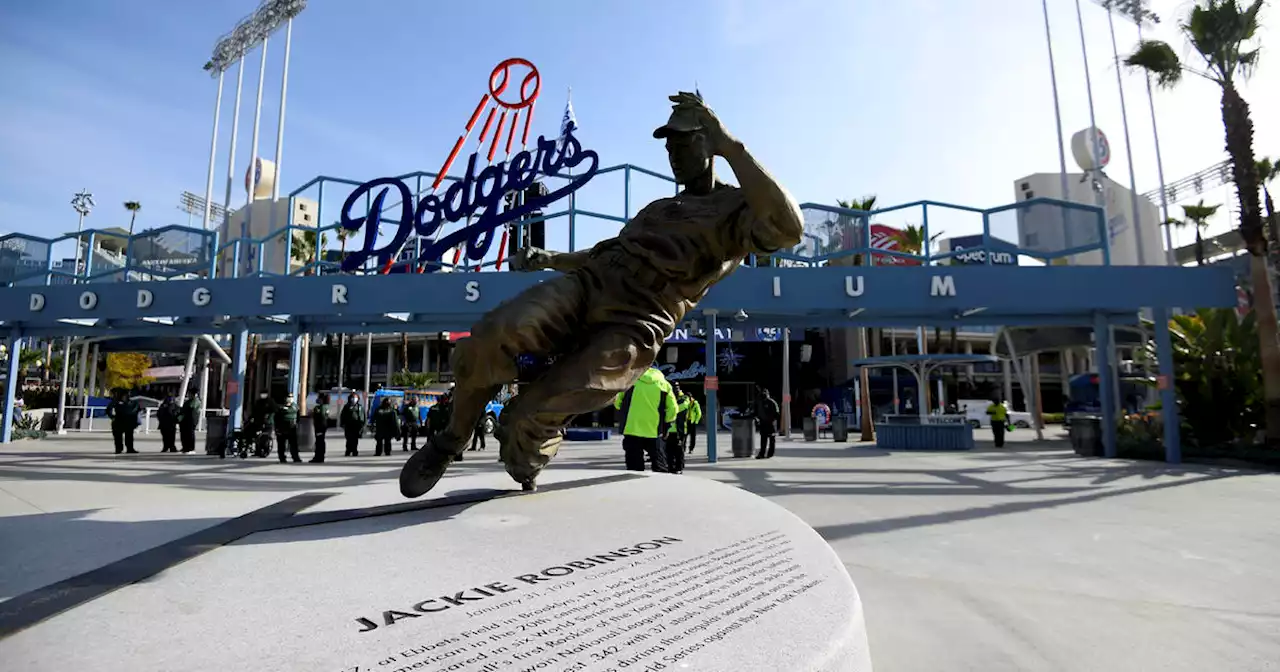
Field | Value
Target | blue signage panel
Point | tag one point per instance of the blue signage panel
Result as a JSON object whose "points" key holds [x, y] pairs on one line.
{"points": [[798, 296], [724, 334], [970, 250]]}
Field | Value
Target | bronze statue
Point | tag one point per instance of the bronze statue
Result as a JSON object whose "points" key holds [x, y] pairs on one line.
{"points": [[606, 317]]}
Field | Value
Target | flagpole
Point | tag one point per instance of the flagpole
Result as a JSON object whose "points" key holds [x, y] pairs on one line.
{"points": [[572, 198]]}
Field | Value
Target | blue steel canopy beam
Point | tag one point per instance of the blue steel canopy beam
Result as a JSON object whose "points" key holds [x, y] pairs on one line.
{"points": [[932, 293]]}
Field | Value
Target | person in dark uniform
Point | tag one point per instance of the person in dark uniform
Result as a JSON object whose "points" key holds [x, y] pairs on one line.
{"points": [[386, 427], [123, 411], [409, 421], [286, 426], [320, 425], [262, 423], [352, 421], [478, 435], [438, 418], [188, 418], [167, 419], [766, 413]]}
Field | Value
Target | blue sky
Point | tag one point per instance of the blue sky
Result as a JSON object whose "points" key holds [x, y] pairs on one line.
{"points": [[908, 99]]}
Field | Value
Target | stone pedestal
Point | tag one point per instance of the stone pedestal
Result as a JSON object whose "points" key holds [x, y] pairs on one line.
{"points": [[615, 572]]}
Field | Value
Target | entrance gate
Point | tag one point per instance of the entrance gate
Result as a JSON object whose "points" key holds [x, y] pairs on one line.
{"points": [[153, 289]]}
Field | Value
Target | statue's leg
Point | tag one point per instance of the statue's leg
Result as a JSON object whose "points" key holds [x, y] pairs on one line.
{"points": [[536, 322], [530, 427]]}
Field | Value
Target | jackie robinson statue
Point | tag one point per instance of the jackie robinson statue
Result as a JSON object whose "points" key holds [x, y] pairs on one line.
{"points": [[606, 316]]}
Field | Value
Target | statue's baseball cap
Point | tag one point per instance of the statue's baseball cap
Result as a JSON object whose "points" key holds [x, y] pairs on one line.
{"points": [[681, 121]]}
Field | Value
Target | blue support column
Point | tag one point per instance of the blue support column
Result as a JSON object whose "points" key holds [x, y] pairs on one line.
{"points": [[295, 365], [1168, 398], [239, 353], [713, 410], [14, 344], [1102, 345]]}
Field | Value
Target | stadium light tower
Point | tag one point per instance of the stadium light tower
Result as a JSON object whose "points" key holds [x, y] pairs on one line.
{"points": [[1136, 9], [231, 49]]}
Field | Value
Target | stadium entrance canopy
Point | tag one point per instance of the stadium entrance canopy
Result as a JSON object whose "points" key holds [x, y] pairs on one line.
{"points": [[179, 281]]}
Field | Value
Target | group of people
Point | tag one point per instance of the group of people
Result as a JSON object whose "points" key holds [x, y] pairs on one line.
{"points": [[174, 421], [659, 420], [389, 423]]}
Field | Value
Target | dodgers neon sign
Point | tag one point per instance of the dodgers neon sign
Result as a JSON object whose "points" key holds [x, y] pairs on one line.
{"points": [[475, 195]]}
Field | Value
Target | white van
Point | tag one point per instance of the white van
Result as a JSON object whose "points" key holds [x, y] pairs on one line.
{"points": [[975, 411]]}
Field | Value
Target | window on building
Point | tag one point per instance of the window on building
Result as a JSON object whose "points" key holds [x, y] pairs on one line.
{"points": [[1028, 195]]}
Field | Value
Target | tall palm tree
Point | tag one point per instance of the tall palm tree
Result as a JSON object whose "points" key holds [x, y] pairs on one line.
{"points": [[866, 431], [1222, 33], [133, 207], [1195, 216], [1269, 170]]}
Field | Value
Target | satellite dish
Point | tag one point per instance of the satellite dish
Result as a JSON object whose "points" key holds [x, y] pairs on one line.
{"points": [[1082, 149]]}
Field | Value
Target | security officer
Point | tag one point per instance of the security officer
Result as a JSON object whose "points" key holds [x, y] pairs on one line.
{"points": [[999, 420], [286, 425], [263, 421], [674, 442], [438, 418], [766, 423], [167, 418], [352, 421], [477, 437], [320, 425], [646, 412], [409, 419], [386, 426], [695, 416], [123, 411], [188, 417]]}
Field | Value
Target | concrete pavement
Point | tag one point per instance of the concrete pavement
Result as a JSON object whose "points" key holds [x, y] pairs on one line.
{"points": [[1026, 558]]}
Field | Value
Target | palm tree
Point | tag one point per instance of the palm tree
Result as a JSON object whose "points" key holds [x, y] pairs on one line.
{"points": [[1269, 170], [911, 239], [865, 204], [133, 207], [1222, 33], [1196, 216]]}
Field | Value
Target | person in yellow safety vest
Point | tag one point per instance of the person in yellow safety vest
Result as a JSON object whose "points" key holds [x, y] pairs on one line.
{"points": [[674, 447], [999, 420], [691, 425], [648, 410]]}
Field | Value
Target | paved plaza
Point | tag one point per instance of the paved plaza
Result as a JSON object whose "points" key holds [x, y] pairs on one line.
{"points": [[1026, 558]]}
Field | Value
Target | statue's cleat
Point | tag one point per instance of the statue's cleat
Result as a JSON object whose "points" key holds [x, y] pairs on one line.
{"points": [[422, 471]]}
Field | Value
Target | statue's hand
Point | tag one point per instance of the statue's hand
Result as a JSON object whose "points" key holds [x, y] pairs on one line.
{"points": [[720, 138], [531, 259]]}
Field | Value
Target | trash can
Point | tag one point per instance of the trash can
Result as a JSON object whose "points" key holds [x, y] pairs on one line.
{"points": [[215, 434], [743, 437], [306, 435], [71, 418], [810, 428], [1085, 435], [840, 428]]}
